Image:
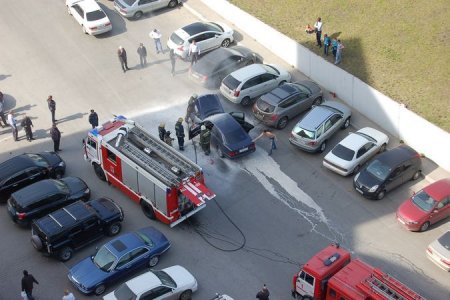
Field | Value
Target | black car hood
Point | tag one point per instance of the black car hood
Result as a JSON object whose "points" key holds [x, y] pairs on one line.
{"points": [[74, 184], [52, 158], [368, 180]]}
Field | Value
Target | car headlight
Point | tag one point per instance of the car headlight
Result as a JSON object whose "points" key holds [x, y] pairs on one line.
{"points": [[373, 189], [62, 164], [87, 191], [356, 177], [412, 222]]}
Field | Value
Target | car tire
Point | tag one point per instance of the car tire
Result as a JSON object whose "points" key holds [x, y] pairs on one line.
{"points": [[99, 289], [172, 3], [382, 148], [154, 260], [346, 123], [220, 152], [65, 254], [36, 242], [282, 82], [381, 195], [137, 15], [323, 146], [424, 226], [317, 101], [246, 101], [99, 172], [416, 175], [148, 210], [186, 295], [225, 43], [114, 229], [282, 123]]}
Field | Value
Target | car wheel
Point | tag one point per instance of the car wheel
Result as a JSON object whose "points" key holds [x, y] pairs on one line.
{"points": [[114, 228], [226, 43], [424, 226], [99, 289], [246, 101], [416, 175], [186, 295], [381, 195], [317, 101], [220, 152], [282, 123], [153, 261], [138, 15], [68, 10], [382, 148], [99, 172], [323, 146], [356, 169], [282, 82], [65, 254], [172, 3], [346, 123], [148, 210], [36, 241]]}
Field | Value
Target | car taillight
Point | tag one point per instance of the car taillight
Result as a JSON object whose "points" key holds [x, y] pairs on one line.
{"points": [[21, 216], [252, 146], [429, 250], [107, 24], [446, 262], [312, 143], [204, 78], [236, 93], [232, 153], [180, 48], [93, 28], [273, 117]]}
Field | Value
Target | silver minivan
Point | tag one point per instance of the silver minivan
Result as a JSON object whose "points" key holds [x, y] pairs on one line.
{"points": [[313, 131], [136, 8]]}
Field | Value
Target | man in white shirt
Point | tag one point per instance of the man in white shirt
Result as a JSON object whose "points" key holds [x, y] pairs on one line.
{"points": [[318, 27], [194, 52], [13, 123], [68, 295], [156, 36]]}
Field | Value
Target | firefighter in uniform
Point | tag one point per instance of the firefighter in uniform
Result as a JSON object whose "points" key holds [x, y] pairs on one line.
{"points": [[190, 111], [179, 132], [162, 131], [205, 139], [27, 124]]}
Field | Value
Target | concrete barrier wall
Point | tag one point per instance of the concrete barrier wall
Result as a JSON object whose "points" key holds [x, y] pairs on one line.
{"points": [[417, 132]]}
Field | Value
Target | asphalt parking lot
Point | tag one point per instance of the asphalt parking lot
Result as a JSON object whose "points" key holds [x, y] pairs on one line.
{"points": [[284, 208]]}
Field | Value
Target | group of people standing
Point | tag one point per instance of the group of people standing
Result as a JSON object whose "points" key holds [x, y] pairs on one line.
{"points": [[164, 135], [336, 45]]}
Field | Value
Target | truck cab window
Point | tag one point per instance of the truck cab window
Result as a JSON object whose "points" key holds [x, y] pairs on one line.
{"points": [[111, 156]]}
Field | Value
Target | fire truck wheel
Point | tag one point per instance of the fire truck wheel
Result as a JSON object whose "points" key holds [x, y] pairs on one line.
{"points": [[153, 261], [186, 295], [114, 229], [99, 172], [148, 210]]}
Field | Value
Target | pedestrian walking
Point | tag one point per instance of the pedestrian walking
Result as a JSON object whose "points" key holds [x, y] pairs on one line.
{"points": [[190, 110], [269, 134], [326, 44], [194, 52], [142, 51], [122, 54], [173, 59], [318, 27], [27, 124], [334, 45], [2, 113], [168, 139], [205, 139], [13, 123], [339, 49], [28, 281], [52, 107], [56, 137], [156, 36], [162, 131], [179, 132], [68, 295], [263, 294], [93, 119]]}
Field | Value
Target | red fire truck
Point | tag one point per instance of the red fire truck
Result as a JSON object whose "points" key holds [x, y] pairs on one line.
{"points": [[331, 274], [167, 185]]}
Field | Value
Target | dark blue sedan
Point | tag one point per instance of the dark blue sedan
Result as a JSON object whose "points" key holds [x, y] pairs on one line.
{"points": [[120, 257]]}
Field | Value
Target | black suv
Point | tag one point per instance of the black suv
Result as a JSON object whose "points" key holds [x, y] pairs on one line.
{"points": [[45, 196], [75, 226], [25, 169], [387, 171]]}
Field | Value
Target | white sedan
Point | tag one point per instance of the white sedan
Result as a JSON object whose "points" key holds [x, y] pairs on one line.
{"points": [[439, 251], [89, 15], [170, 283], [354, 150]]}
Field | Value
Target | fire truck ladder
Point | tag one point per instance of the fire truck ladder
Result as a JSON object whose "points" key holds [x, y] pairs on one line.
{"points": [[390, 287]]}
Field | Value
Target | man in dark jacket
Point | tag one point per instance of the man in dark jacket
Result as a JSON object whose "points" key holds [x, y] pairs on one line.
{"points": [[162, 131], [122, 54], [27, 124], [179, 132], [142, 51], [56, 137], [205, 139], [263, 294], [52, 107], [27, 284], [93, 119], [2, 112]]}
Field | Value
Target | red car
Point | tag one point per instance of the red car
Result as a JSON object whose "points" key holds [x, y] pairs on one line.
{"points": [[426, 207]]}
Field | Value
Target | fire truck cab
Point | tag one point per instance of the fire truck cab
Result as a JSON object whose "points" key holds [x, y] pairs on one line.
{"points": [[167, 185]]}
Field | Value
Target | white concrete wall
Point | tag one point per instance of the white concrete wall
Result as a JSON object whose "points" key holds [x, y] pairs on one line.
{"points": [[420, 134]]}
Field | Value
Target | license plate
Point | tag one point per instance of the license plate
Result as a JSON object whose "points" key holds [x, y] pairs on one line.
{"points": [[243, 149], [360, 191]]}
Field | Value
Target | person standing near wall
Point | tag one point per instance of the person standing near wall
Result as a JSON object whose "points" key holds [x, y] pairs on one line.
{"points": [[339, 49], [326, 44], [318, 27]]}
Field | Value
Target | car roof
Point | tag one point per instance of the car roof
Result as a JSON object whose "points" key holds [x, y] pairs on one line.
{"points": [[397, 155], [249, 71], [125, 243], [439, 189], [208, 105], [143, 283], [225, 122], [35, 192], [280, 93], [354, 141], [214, 58], [14, 165], [316, 117], [88, 5], [197, 27]]}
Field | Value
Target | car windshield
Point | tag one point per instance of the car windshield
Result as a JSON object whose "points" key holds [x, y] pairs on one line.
{"points": [[378, 169], [145, 239], [264, 106], [38, 160], [424, 201], [104, 259], [165, 278], [123, 292], [176, 39], [95, 15], [235, 136], [231, 82], [129, 2], [343, 152], [61, 186], [304, 133]]}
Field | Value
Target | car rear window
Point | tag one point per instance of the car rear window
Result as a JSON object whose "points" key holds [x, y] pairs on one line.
{"points": [[38, 160], [61, 186], [264, 106], [271, 69], [343, 152], [307, 134], [124, 292], [95, 15], [445, 240], [235, 136], [129, 2], [214, 27], [231, 82], [176, 39]]}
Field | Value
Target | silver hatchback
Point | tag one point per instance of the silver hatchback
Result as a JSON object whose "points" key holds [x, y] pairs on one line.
{"points": [[313, 131], [136, 8]]}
